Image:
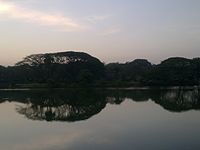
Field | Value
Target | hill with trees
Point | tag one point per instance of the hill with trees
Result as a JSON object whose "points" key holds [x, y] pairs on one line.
{"points": [[75, 69], [175, 71], [66, 68]]}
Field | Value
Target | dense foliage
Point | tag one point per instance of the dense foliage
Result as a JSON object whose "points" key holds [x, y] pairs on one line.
{"points": [[175, 71], [132, 73], [66, 68], [80, 69]]}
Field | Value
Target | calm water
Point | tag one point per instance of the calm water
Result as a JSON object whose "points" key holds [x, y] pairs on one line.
{"points": [[100, 119]]}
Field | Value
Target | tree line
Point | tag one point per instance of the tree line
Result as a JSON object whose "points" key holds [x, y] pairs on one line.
{"points": [[85, 70]]}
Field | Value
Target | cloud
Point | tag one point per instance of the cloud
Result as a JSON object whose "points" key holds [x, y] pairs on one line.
{"points": [[13, 11]]}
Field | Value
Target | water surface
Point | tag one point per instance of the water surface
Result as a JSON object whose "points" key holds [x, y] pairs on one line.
{"points": [[100, 119]]}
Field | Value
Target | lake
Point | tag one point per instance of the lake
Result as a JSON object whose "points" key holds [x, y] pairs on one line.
{"points": [[77, 119]]}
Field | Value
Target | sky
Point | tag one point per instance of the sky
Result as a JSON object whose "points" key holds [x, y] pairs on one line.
{"points": [[112, 30]]}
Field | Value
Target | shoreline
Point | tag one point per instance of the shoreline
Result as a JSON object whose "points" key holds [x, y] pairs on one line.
{"points": [[105, 88]]}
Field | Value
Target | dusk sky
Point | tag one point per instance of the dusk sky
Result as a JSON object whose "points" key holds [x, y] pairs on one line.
{"points": [[112, 30]]}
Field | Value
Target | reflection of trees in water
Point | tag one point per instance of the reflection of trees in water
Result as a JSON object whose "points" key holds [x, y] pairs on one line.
{"points": [[65, 112], [119, 96], [179, 100], [175, 100], [76, 105], [71, 105]]}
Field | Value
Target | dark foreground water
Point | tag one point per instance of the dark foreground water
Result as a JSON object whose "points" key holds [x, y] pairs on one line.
{"points": [[100, 120]]}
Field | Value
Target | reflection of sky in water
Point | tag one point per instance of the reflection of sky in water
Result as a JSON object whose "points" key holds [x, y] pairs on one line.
{"points": [[131, 125]]}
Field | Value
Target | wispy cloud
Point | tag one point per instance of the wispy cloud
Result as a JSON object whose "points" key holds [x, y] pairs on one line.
{"points": [[13, 11]]}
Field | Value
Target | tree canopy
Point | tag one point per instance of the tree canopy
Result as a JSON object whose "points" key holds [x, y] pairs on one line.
{"points": [[81, 69]]}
